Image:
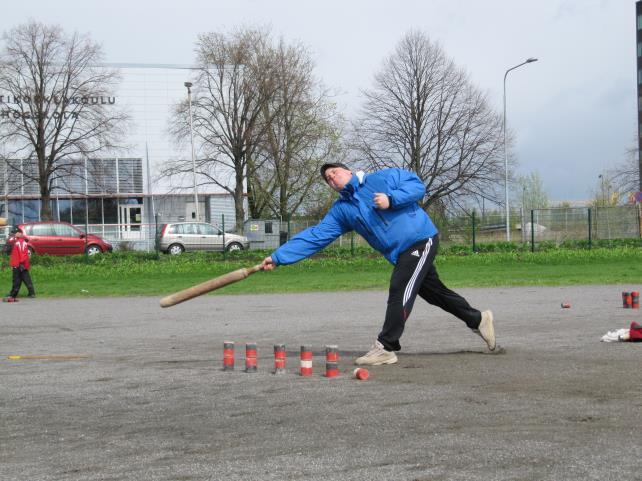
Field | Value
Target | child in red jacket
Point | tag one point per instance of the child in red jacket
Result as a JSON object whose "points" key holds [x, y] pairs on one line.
{"points": [[19, 262]]}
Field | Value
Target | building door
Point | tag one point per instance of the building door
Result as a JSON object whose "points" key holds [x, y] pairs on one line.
{"points": [[131, 217], [190, 212]]}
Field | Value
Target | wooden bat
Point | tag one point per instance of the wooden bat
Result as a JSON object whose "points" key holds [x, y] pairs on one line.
{"points": [[208, 286], [50, 357]]}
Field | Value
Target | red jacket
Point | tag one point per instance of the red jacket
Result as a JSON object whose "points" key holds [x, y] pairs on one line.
{"points": [[20, 254]]}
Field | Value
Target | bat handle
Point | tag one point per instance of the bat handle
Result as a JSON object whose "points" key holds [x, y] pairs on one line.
{"points": [[256, 268]]}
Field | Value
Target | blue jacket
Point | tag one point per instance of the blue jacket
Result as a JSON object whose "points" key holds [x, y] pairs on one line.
{"points": [[390, 231]]}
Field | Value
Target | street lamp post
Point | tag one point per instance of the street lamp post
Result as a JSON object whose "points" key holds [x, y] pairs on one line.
{"points": [[528, 60], [191, 134], [601, 177]]}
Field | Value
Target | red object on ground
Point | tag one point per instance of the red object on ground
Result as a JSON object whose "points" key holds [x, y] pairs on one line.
{"points": [[626, 300], [635, 300], [228, 356], [361, 373], [566, 305], [279, 358], [250, 357], [306, 361], [635, 332], [331, 361]]}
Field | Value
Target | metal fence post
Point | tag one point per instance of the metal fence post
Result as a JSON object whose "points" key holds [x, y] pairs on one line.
{"points": [[590, 228], [223, 229], [86, 232], [474, 246], [532, 230], [156, 237]]}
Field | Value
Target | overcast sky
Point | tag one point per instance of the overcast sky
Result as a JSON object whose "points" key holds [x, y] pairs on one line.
{"points": [[573, 112]]}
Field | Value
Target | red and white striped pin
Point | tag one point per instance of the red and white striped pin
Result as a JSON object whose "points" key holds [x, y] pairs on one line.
{"points": [[250, 357], [331, 361], [306, 361], [279, 359], [228, 356]]}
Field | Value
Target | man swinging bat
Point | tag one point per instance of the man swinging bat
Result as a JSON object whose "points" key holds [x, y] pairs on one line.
{"points": [[383, 208]]}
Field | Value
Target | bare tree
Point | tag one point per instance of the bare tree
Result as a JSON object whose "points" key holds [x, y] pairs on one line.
{"points": [[423, 114], [59, 105], [530, 193], [625, 177], [606, 193], [300, 133], [232, 84]]}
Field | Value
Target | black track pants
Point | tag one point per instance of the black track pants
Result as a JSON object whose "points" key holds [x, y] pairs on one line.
{"points": [[20, 276], [415, 274]]}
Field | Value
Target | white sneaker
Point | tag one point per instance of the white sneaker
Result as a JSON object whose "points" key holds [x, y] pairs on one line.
{"points": [[376, 356], [486, 330]]}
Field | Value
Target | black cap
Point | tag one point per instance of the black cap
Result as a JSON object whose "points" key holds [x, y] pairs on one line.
{"points": [[327, 166]]}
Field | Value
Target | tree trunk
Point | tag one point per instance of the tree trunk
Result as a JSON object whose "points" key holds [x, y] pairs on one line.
{"points": [[45, 209], [238, 202]]}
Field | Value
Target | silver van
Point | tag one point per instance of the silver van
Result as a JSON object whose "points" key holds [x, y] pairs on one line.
{"points": [[178, 237]]}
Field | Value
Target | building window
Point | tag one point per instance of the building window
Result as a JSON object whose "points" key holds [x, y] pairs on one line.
{"points": [[639, 49], [130, 175], [79, 207], [64, 209], [639, 77], [95, 210], [26, 210], [639, 22], [110, 211]]}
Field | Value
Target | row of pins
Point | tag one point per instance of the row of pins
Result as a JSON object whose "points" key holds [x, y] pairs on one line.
{"points": [[280, 357]]}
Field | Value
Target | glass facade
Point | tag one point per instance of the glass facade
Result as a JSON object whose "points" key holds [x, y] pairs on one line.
{"points": [[93, 179], [110, 211], [95, 211], [90, 176], [79, 213], [64, 210]]}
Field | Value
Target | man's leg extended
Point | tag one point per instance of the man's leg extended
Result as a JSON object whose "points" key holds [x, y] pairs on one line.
{"points": [[405, 282], [436, 293]]}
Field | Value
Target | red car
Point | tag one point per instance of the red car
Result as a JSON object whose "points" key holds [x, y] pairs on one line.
{"points": [[59, 239]]}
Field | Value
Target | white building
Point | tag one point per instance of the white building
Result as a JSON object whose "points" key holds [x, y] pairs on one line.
{"points": [[123, 196]]}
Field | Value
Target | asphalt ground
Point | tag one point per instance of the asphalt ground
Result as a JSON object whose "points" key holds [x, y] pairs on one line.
{"points": [[120, 389]]}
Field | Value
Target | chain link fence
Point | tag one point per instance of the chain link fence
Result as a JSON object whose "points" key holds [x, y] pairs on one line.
{"points": [[556, 225]]}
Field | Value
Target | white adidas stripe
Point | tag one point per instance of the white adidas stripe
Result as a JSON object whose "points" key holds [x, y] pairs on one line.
{"points": [[411, 283]]}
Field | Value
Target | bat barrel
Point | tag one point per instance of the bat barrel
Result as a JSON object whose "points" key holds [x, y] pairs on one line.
{"points": [[208, 286]]}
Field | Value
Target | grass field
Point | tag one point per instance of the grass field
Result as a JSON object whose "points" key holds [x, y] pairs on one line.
{"points": [[135, 274]]}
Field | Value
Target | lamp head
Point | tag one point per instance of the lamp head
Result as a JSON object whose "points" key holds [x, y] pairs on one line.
{"points": [[531, 59], [188, 85]]}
